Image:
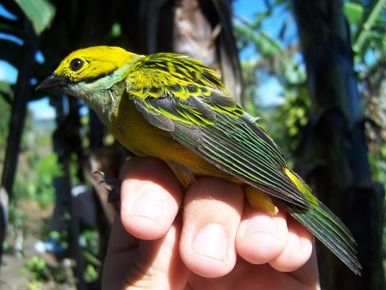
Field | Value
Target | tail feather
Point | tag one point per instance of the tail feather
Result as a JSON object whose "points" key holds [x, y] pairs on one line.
{"points": [[330, 230]]}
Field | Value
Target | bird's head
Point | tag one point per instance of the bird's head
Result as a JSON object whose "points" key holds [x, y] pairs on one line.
{"points": [[93, 74], [87, 66]]}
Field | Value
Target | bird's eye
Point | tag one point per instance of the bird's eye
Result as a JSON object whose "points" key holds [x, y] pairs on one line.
{"points": [[76, 64]]}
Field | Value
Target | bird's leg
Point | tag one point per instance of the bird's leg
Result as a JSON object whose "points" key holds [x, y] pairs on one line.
{"points": [[113, 187]]}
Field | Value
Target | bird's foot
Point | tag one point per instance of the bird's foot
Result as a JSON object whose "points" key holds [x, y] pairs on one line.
{"points": [[113, 187]]}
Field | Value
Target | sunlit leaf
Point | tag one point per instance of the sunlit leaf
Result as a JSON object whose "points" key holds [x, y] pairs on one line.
{"points": [[373, 17], [265, 44], [354, 12], [39, 12], [116, 30]]}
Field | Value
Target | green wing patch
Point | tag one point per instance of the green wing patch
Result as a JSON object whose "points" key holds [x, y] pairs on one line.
{"points": [[232, 146], [216, 130]]}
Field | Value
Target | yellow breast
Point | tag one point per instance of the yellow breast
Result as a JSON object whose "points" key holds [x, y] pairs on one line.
{"points": [[143, 139]]}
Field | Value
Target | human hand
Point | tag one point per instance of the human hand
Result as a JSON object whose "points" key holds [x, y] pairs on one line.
{"points": [[216, 240]]}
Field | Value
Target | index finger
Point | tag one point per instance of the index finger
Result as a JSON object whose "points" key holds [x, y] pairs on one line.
{"points": [[150, 198]]}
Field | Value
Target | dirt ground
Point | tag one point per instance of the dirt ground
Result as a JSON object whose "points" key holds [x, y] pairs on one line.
{"points": [[21, 247]]}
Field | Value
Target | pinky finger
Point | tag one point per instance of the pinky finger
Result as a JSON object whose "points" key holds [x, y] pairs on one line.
{"points": [[297, 251]]}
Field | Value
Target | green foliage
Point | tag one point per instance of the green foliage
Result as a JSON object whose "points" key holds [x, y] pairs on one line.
{"points": [[59, 238], [116, 30], [38, 268], [261, 41], [16, 216], [74, 168], [41, 272], [36, 183], [275, 57], [39, 12], [250, 78], [91, 273], [354, 12], [38, 166], [35, 285], [272, 56], [367, 25], [378, 167], [294, 114], [89, 242]]}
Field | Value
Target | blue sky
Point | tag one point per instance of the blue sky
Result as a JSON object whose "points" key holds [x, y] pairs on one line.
{"points": [[270, 91], [246, 9]]}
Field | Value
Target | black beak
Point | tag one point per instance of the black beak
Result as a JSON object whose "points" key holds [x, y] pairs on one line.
{"points": [[53, 82]]}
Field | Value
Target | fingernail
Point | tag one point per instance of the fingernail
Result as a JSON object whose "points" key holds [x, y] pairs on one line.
{"points": [[211, 242], [150, 206], [261, 224]]}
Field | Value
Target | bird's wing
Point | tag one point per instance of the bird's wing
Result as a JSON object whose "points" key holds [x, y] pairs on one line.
{"points": [[198, 113], [207, 121]]}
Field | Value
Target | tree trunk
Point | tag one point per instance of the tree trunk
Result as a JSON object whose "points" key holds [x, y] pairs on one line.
{"points": [[334, 149], [16, 125]]}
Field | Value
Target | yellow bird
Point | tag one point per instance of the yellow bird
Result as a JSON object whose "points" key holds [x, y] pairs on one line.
{"points": [[175, 108]]}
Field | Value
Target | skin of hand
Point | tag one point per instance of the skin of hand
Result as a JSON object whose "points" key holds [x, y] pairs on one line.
{"points": [[207, 238]]}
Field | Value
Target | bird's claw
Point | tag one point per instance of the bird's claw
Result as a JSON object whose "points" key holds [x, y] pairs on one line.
{"points": [[113, 186]]}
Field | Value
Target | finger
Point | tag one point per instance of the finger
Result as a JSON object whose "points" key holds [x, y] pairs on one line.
{"points": [[119, 257], [308, 274], [261, 237], [211, 217], [133, 264], [120, 240], [297, 250], [150, 198]]}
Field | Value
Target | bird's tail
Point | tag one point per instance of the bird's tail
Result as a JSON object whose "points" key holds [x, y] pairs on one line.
{"points": [[324, 225], [330, 230]]}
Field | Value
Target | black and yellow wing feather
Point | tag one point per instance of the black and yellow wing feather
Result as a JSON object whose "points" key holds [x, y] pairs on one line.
{"points": [[187, 99]]}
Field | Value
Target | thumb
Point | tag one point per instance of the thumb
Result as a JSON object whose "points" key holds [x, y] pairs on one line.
{"points": [[138, 264]]}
